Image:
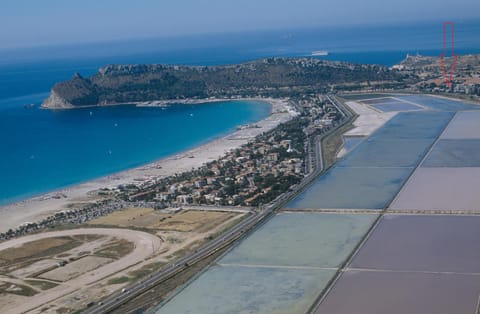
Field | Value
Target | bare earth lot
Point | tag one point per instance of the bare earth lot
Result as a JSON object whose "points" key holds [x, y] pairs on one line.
{"points": [[28, 260], [184, 221], [76, 268], [62, 271]]}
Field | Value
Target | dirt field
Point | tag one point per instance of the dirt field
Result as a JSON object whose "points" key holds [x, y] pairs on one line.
{"points": [[194, 221], [63, 271], [34, 250], [40, 268], [184, 221], [31, 259], [131, 217], [18, 289], [75, 268]]}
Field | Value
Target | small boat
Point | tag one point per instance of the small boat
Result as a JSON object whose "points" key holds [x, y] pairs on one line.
{"points": [[29, 106]]}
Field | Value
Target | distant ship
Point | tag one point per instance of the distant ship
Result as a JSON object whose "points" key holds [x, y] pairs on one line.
{"points": [[320, 53]]}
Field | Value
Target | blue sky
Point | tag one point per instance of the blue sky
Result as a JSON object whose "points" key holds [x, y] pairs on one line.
{"points": [[45, 22]]}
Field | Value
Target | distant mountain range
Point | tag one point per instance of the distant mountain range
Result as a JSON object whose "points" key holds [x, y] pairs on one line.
{"points": [[120, 84]]}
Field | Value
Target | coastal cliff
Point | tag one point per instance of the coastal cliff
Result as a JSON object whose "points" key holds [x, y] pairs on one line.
{"points": [[54, 101], [119, 84]]}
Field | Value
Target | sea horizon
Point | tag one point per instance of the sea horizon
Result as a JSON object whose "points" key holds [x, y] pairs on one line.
{"points": [[35, 70]]}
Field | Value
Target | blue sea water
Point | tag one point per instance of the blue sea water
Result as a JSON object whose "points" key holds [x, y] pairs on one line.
{"points": [[43, 150]]}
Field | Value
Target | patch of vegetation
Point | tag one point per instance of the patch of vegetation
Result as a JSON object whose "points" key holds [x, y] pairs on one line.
{"points": [[228, 227], [63, 255], [173, 239], [332, 143], [119, 249], [11, 288], [184, 251], [65, 310], [135, 228], [32, 251], [146, 270], [83, 253], [87, 237], [43, 285], [118, 280]]}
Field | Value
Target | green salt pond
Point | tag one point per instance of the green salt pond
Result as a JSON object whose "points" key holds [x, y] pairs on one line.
{"points": [[281, 268], [302, 239], [242, 290]]}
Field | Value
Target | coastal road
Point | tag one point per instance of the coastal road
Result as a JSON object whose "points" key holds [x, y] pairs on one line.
{"points": [[234, 234]]}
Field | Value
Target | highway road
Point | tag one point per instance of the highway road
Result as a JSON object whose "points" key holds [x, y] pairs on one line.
{"points": [[238, 231]]}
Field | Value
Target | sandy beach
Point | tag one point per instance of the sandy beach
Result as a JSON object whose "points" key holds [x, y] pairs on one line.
{"points": [[39, 207]]}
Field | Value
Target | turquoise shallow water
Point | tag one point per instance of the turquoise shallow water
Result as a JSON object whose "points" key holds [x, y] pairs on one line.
{"points": [[43, 150]]}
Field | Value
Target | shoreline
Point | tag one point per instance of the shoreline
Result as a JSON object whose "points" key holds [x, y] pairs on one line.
{"points": [[39, 207], [153, 103]]}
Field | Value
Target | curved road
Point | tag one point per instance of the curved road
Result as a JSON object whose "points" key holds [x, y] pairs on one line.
{"points": [[145, 246]]}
